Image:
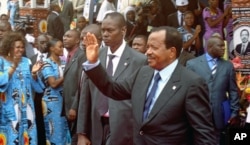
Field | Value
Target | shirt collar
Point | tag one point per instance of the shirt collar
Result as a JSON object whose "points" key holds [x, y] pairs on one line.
{"points": [[209, 57], [119, 51], [166, 72], [72, 52], [55, 12]]}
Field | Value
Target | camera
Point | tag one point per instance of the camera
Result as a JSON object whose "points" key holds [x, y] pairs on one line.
{"points": [[24, 22]]}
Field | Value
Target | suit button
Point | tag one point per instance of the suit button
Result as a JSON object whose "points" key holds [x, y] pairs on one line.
{"points": [[141, 133]]}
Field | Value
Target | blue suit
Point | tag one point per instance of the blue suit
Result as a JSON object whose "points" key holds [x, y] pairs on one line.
{"points": [[219, 85]]}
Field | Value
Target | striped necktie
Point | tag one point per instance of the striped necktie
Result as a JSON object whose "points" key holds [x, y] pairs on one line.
{"points": [[214, 66]]}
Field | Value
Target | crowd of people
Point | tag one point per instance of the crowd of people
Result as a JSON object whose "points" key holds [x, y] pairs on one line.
{"points": [[147, 75]]}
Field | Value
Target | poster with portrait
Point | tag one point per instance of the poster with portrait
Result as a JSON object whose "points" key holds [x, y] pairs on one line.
{"points": [[240, 47]]}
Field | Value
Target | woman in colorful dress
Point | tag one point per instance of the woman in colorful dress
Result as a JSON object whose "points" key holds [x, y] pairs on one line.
{"points": [[214, 19], [17, 82], [52, 102]]}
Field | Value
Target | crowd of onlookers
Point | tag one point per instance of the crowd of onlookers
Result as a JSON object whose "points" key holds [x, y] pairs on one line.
{"points": [[47, 98]]}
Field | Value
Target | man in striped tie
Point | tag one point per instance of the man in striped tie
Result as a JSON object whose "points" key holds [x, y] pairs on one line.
{"points": [[220, 77]]}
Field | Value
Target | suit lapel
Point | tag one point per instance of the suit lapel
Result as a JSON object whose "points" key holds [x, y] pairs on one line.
{"points": [[67, 67], [123, 63], [205, 65], [168, 92], [140, 100]]}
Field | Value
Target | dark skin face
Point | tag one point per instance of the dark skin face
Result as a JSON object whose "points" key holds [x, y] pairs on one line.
{"points": [[112, 33], [4, 29], [159, 56], [216, 47], [139, 44], [81, 23], [70, 40], [42, 43]]}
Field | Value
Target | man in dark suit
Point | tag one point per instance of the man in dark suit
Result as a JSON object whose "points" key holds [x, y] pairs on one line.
{"points": [[176, 19], [67, 12], [244, 47], [55, 25], [167, 99], [72, 75], [126, 62], [220, 77]]}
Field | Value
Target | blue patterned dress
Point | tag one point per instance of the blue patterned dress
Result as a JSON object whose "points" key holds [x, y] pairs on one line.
{"points": [[17, 116], [56, 126]]}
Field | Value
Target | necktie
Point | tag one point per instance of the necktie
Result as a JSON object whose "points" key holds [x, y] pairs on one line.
{"points": [[103, 100], [243, 49], [214, 67], [110, 65], [182, 19], [150, 96]]}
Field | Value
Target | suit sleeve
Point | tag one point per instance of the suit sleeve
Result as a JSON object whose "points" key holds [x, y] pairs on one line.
{"points": [[84, 109], [115, 90], [233, 92], [199, 112]]}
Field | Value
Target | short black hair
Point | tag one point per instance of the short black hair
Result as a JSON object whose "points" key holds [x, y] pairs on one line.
{"points": [[172, 38], [118, 16], [244, 30]]}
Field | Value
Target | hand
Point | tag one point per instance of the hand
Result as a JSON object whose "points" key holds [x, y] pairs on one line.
{"points": [[92, 48], [197, 29], [72, 115], [83, 140], [36, 67]]}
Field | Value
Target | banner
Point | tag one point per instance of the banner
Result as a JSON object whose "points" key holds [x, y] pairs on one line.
{"points": [[240, 46]]}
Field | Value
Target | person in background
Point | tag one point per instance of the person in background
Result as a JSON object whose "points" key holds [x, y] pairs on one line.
{"points": [[4, 17], [107, 5], [220, 78], [215, 20], [18, 81], [52, 100], [75, 58], [81, 23], [101, 117], [176, 19], [42, 42], [190, 36], [13, 11], [78, 7], [165, 95], [67, 12], [139, 43], [55, 24], [5, 28], [129, 15]]}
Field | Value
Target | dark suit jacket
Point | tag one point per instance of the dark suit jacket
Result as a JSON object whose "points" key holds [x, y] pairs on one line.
{"points": [[238, 49], [72, 75], [183, 103], [219, 85], [173, 20], [55, 26], [121, 118], [66, 14]]}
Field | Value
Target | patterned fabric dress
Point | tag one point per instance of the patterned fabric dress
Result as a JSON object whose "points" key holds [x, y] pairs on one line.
{"points": [[17, 116], [56, 126]]}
